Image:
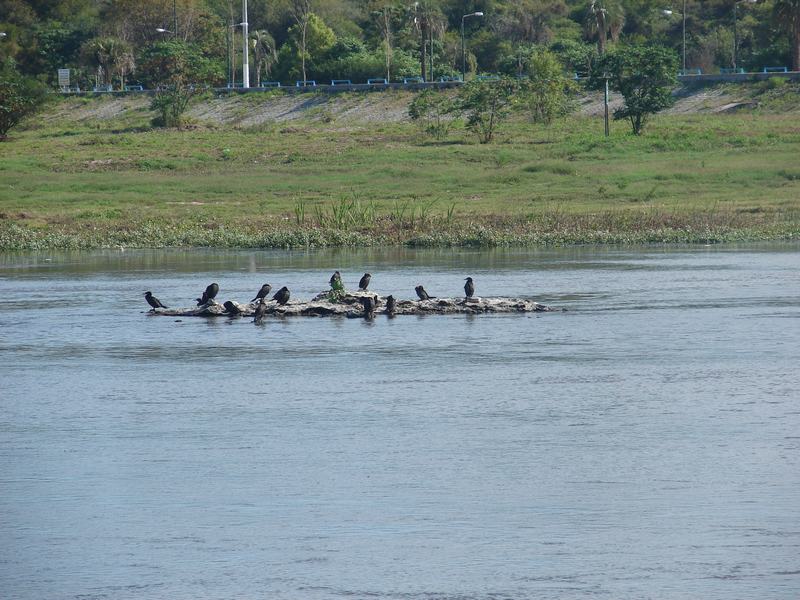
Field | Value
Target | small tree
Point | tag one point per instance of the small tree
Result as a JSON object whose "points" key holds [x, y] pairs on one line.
{"points": [[432, 109], [265, 53], [547, 92], [644, 75], [486, 104], [19, 97], [173, 64]]}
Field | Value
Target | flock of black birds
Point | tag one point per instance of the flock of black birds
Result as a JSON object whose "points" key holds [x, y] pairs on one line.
{"points": [[369, 303]]}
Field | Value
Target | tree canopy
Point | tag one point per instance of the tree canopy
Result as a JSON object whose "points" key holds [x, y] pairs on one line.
{"points": [[115, 41]]}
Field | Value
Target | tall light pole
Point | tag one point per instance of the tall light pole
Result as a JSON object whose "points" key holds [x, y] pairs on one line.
{"points": [[669, 13], [245, 58], [463, 47], [684, 37]]}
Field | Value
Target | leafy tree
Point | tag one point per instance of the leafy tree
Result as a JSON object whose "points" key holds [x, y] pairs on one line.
{"points": [[19, 97], [109, 56], [175, 67], [485, 104], [644, 75], [168, 62], [433, 110], [301, 12], [383, 13], [787, 13], [547, 92], [265, 53], [295, 57], [171, 102]]}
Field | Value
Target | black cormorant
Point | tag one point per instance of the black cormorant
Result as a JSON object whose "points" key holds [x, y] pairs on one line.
{"points": [[209, 294], [231, 308], [153, 301], [263, 292], [422, 294], [364, 282], [469, 288], [261, 310], [391, 305], [282, 296]]}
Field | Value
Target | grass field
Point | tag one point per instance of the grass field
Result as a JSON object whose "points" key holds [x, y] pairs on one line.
{"points": [[116, 182]]}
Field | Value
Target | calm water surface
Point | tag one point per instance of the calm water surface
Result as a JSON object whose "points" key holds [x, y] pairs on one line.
{"points": [[643, 444]]}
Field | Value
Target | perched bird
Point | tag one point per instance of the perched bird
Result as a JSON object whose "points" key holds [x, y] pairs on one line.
{"points": [[153, 301], [422, 294], [364, 282], [263, 292], [261, 310], [231, 308], [469, 287], [282, 296], [336, 281], [369, 305], [391, 305], [209, 294]]}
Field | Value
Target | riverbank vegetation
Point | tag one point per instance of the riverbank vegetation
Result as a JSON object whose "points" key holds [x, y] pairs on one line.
{"points": [[116, 181], [119, 42]]}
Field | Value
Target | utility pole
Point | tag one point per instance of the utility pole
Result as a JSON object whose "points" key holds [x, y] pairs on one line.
{"points": [[245, 47], [605, 102], [684, 37]]}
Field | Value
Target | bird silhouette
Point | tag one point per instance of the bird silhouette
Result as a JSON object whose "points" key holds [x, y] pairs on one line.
{"points": [[364, 282], [209, 294], [469, 287], [282, 296], [422, 294], [263, 292], [231, 308], [391, 305], [153, 301], [368, 303], [261, 310], [336, 282]]}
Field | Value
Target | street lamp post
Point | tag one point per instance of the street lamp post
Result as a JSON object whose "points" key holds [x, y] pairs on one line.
{"points": [[463, 47], [669, 13], [245, 59]]}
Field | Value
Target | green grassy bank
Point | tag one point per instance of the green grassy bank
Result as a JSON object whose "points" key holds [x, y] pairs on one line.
{"points": [[325, 182]]}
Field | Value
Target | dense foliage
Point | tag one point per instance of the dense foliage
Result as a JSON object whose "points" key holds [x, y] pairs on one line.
{"points": [[19, 97], [644, 75], [115, 42]]}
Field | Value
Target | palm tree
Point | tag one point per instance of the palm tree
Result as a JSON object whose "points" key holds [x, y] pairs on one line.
{"points": [[604, 17], [265, 54], [787, 13]]}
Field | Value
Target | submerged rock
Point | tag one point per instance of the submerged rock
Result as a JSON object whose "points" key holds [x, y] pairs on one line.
{"points": [[348, 304]]}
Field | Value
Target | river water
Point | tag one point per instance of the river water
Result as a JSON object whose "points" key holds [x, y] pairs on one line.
{"points": [[643, 444]]}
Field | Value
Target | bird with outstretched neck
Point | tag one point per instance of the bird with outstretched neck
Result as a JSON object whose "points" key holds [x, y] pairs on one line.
{"points": [[153, 301]]}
